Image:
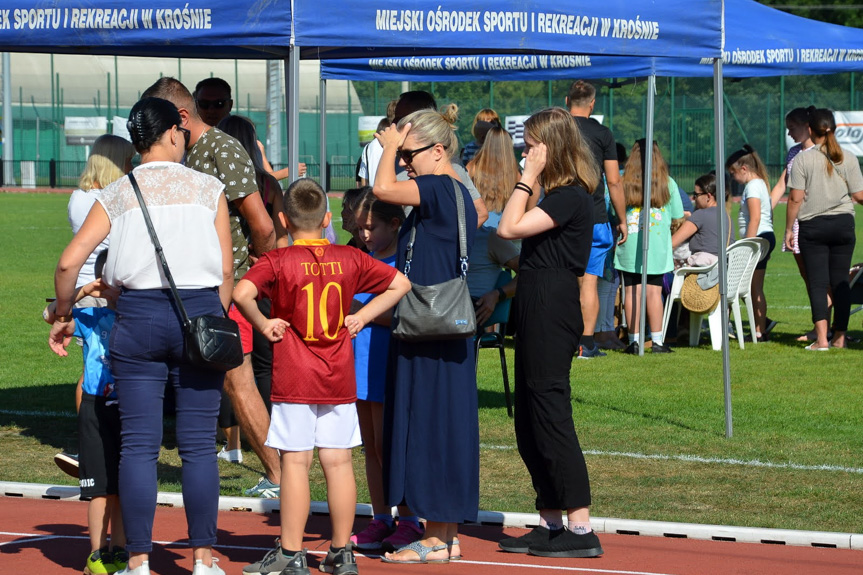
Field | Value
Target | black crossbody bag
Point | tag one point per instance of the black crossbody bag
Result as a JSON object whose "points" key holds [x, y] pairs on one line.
{"points": [[210, 341]]}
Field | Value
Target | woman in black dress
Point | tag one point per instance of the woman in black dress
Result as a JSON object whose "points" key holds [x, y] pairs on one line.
{"points": [[557, 236]]}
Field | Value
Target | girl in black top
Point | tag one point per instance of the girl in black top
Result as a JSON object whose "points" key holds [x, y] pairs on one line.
{"points": [[557, 238]]}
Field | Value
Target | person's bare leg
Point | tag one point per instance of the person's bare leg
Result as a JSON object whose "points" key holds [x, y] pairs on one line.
{"points": [[759, 303], [97, 522], [654, 308], [295, 499], [589, 302], [118, 532], [232, 434], [341, 492], [821, 333], [251, 413], [370, 414]]}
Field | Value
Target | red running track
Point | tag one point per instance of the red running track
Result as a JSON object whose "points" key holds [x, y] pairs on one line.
{"points": [[43, 537]]}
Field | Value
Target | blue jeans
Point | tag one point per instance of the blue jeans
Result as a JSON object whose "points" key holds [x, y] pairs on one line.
{"points": [[146, 353]]}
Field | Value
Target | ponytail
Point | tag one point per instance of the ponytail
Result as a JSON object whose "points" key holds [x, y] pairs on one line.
{"points": [[747, 156], [823, 125]]}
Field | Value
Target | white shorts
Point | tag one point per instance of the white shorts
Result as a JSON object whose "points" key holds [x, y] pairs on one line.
{"points": [[302, 427]]}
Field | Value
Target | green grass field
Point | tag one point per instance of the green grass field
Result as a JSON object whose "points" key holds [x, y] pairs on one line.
{"points": [[653, 427]]}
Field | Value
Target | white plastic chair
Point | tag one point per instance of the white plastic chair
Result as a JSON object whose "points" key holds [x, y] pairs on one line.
{"points": [[744, 292], [677, 285], [740, 255]]}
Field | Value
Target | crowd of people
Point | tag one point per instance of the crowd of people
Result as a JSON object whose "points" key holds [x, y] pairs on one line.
{"points": [[321, 367]]}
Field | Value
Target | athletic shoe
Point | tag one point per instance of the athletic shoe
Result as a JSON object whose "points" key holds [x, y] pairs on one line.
{"points": [[370, 538], [142, 569], [771, 323], [273, 563], [232, 455], [100, 563], [659, 348], [120, 557], [265, 489], [631, 349], [340, 562], [564, 543], [406, 533], [589, 352], [201, 569], [522, 544], [68, 463]]}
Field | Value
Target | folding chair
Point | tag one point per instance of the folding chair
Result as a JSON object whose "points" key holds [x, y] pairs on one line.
{"points": [[495, 338]]}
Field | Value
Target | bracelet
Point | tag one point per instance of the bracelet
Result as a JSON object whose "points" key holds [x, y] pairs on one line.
{"points": [[524, 188], [501, 294], [63, 318]]}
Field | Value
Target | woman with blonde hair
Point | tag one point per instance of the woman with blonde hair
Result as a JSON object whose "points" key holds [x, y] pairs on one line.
{"points": [[557, 235], [665, 207], [485, 120], [494, 172], [431, 422]]}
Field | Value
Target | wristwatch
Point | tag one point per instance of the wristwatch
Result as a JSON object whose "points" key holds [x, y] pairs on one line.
{"points": [[501, 294], [63, 318]]}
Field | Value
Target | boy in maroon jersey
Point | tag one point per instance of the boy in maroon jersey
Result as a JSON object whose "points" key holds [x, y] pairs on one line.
{"points": [[311, 285]]}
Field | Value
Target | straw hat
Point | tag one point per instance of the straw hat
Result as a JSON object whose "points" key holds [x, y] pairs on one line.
{"points": [[697, 300]]}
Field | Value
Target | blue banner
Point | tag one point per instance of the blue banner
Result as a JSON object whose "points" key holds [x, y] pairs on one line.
{"points": [[193, 28], [377, 29], [510, 67]]}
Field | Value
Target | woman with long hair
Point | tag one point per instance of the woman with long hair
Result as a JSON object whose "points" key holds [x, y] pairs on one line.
{"points": [[484, 120], [665, 207], [494, 172], [557, 235], [430, 401], [190, 216], [825, 181]]}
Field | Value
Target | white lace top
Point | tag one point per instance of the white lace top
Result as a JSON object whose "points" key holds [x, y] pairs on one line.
{"points": [[182, 205]]}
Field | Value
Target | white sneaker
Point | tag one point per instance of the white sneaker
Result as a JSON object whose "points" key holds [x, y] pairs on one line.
{"points": [[233, 455], [201, 569], [142, 569]]}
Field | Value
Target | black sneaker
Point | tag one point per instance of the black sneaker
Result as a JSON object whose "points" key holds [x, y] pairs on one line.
{"points": [[523, 543], [565, 543], [631, 349], [658, 348], [340, 562]]}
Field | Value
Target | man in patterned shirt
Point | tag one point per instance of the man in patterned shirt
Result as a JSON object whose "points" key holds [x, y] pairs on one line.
{"points": [[213, 152]]}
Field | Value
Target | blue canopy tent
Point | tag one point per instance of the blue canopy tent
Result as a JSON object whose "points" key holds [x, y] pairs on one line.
{"points": [[343, 29]]}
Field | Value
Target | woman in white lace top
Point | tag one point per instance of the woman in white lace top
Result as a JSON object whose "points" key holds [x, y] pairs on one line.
{"points": [[190, 216]]}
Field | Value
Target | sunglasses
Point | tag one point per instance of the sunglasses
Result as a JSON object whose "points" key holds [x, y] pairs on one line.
{"points": [[408, 155], [207, 104], [187, 135]]}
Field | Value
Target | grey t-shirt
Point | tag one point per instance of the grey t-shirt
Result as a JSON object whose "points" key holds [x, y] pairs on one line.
{"points": [[706, 239], [825, 194]]}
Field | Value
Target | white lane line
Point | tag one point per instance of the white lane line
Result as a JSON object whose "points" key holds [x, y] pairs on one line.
{"points": [[32, 537], [699, 459]]}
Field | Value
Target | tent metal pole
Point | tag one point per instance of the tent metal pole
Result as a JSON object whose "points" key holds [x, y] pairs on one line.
{"points": [[292, 91], [323, 138], [8, 137], [719, 128], [644, 220]]}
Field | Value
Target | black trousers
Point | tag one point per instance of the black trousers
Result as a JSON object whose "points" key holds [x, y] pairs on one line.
{"points": [[827, 246], [549, 328]]}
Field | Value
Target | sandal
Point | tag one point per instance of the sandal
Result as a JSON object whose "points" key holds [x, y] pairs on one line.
{"points": [[814, 347], [422, 552], [452, 544]]}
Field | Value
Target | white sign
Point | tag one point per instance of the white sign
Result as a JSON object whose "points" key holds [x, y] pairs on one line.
{"points": [[366, 126], [83, 131], [515, 126], [118, 126]]}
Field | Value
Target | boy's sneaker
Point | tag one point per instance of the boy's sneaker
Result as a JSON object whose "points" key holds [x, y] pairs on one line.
{"points": [[340, 562], [273, 563], [406, 533], [265, 489], [201, 569], [590, 352], [120, 557], [232, 455], [100, 562], [68, 463], [522, 544], [370, 538], [565, 543]]}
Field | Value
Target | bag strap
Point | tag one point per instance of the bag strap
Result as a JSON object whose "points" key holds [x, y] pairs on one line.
{"points": [[159, 252], [462, 233]]}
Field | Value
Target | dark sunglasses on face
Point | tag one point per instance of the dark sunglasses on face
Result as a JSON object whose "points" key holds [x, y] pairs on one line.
{"points": [[408, 155], [207, 104]]}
